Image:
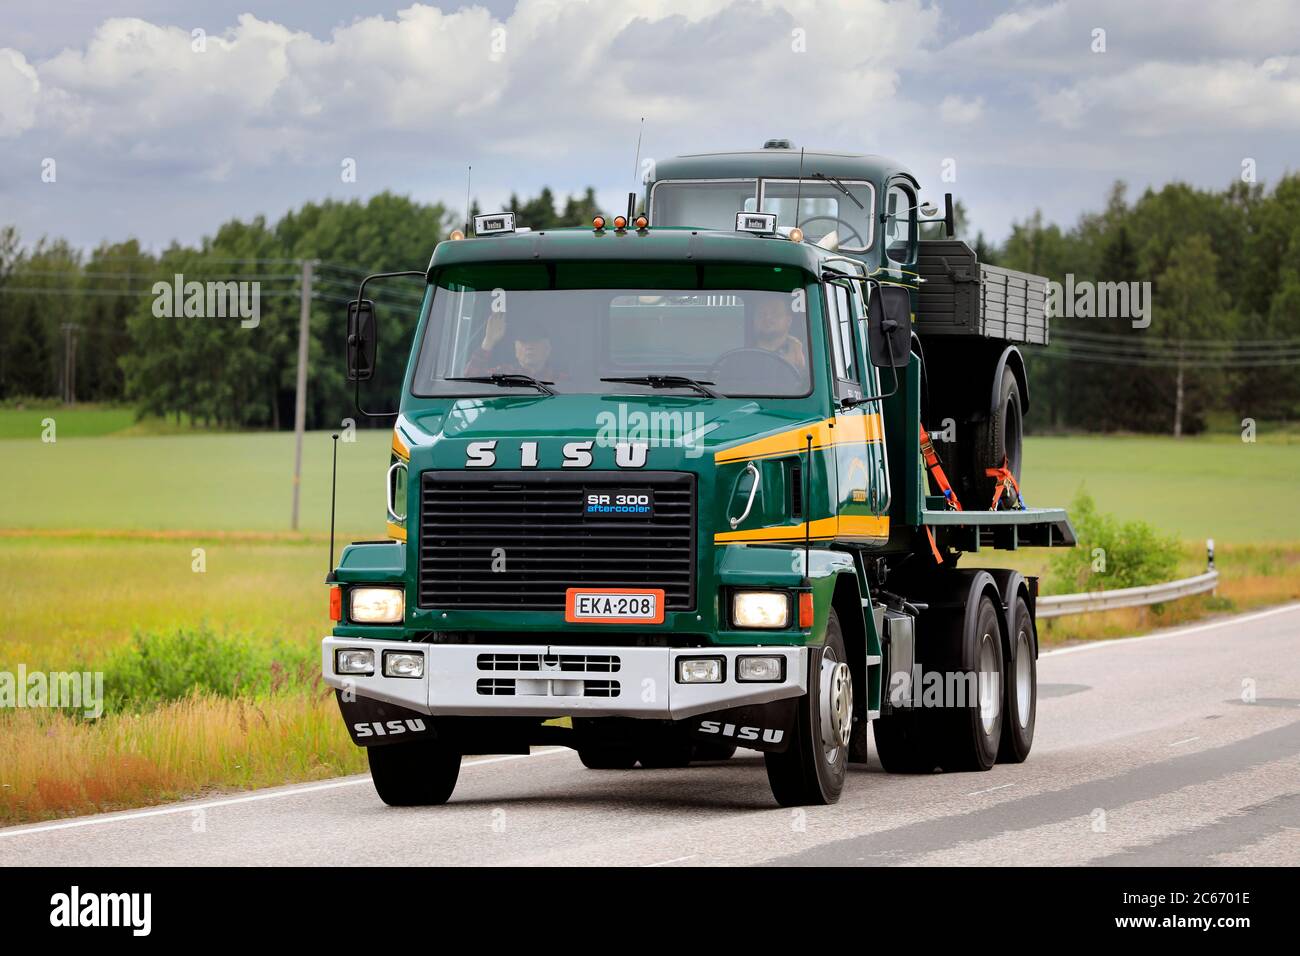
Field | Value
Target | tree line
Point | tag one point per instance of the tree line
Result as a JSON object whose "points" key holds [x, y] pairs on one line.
{"points": [[1223, 332]]}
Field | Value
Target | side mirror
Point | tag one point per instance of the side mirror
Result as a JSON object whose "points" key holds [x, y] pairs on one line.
{"points": [[889, 326], [362, 330]]}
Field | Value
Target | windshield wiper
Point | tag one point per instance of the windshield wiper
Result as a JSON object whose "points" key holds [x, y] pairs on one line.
{"points": [[841, 187], [508, 380], [668, 381]]}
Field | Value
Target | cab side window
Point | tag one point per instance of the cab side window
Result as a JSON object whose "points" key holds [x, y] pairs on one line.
{"points": [[900, 223], [840, 314]]}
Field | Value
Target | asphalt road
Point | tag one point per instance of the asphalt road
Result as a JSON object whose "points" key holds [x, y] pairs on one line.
{"points": [[1178, 748]]}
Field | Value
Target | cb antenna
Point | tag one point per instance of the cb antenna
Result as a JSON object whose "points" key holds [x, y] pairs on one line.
{"points": [[798, 190], [334, 484], [636, 165], [469, 178]]}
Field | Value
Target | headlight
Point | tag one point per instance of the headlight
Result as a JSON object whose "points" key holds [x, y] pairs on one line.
{"points": [[354, 661], [760, 670], [376, 605], [760, 609], [699, 670], [403, 664]]}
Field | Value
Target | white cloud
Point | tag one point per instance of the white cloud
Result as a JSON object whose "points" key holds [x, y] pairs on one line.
{"points": [[955, 110], [19, 91], [1160, 99], [264, 92]]}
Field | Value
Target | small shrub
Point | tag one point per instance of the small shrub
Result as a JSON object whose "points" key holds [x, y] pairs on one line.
{"points": [[1132, 553], [156, 668]]}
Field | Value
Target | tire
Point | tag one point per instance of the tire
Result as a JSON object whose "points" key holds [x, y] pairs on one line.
{"points": [[810, 773], [968, 736], [998, 438], [905, 741], [418, 774], [601, 747], [713, 750], [665, 748], [607, 758], [1021, 682]]}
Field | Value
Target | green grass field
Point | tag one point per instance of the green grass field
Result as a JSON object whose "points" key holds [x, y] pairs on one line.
{"points": [[1208, 486]]}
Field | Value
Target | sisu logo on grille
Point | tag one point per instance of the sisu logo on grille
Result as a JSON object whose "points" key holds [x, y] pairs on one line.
{"points": [[576, 454]]}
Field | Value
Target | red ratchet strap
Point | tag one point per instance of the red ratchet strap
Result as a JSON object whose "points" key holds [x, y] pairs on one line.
{"points": [[1006, 484], [936, 470]]}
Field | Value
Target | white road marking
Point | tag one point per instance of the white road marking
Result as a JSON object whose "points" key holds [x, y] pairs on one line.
{"points": [[251, 798], [676, 859], [1179, 743], [1177, 632], [990, 790]]}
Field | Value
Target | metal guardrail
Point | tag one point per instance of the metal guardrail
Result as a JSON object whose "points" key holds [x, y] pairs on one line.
{"points": [[1059, 605]]}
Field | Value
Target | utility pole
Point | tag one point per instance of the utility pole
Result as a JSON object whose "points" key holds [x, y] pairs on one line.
{"points": [[300, 398], [70, 330]]}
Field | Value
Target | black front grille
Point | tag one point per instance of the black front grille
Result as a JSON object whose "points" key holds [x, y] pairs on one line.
{"points": [[518, 540]]}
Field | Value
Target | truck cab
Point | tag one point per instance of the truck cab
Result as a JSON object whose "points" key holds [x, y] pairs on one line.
{"points": [[647, 486]]}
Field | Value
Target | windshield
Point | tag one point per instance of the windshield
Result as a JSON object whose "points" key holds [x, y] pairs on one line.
{"points": [[744, 334], [823, 207]]}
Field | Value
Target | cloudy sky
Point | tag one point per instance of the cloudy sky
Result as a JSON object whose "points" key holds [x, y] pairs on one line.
{"points": [[162, 133]]}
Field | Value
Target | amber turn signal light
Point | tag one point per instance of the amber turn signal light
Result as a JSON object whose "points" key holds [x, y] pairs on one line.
{"points": [[336, 604]]}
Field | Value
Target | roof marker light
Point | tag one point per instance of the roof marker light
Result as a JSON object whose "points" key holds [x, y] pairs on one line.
{"points": [[598, 223], [763, 223], [456, 235], [796, 234], [620, 223], [497, 222], [642, 223]]}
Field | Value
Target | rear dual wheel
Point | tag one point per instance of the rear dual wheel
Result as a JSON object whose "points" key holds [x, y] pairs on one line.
{"points": [[1021, 690], [965, 732]]}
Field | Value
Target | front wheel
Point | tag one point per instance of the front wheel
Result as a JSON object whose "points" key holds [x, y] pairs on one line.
{"points": [[811, 771], [417, 774]]}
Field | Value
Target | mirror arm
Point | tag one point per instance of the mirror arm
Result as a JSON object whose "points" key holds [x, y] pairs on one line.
{"points": [[356, 392], [855, 402]]}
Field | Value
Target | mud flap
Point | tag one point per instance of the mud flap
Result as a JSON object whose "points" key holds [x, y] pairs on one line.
{"points": [[372, 723], [767, 727]]}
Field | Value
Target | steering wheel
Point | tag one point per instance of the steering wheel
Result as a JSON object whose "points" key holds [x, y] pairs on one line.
{"points": [[847, 225], [754, 368]]}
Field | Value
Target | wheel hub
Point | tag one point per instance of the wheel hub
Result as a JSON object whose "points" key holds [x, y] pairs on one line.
{"points": [[836, 705], [1024, 678], [989, 684]]}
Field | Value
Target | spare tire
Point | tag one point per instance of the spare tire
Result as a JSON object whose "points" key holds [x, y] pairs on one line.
{"points": [[998, 438]]}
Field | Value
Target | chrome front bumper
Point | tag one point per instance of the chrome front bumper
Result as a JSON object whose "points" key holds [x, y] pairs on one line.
{"points": [[512, 680]]}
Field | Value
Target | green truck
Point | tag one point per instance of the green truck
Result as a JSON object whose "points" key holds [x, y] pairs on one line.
{"points": [[661, 487]]}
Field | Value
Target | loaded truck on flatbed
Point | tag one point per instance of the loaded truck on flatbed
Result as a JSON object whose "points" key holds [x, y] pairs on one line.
{"points": [[699, 479]]}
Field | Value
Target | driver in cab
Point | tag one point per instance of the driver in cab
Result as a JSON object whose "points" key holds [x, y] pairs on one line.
{"points": [[773, 318], [531, 353]]}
